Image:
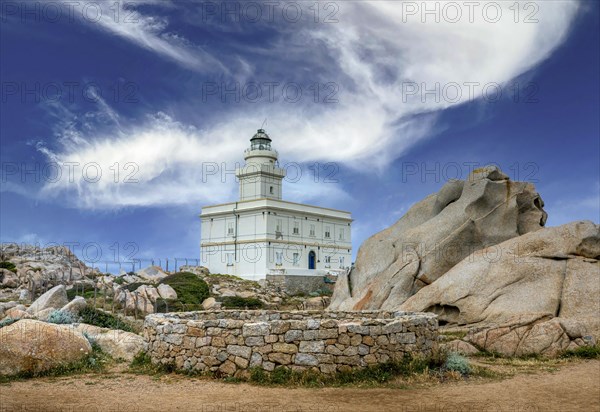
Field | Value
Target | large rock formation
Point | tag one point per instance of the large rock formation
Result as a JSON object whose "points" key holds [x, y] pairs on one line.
{"points": [[435, 235], [477, 255], [538, 293], [31, 346]]}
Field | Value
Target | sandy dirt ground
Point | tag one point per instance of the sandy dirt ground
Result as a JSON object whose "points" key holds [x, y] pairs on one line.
{"points": [[574, 387]]}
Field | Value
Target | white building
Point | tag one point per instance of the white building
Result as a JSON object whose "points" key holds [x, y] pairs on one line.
{"points": [[261, 233]]}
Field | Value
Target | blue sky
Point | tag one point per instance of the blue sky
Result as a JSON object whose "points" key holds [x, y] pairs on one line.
{"points": [[161, 97]]}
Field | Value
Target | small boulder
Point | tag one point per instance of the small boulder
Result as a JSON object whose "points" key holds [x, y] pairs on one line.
{"points": [[31, 346], [209, 303], [461, 347], [17, 313], [166, 292], [75, 306], [24, 295], [152, 273], [54, 298]]}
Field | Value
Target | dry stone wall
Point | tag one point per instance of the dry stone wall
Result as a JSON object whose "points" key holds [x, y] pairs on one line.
{"points": [[231, 342]]}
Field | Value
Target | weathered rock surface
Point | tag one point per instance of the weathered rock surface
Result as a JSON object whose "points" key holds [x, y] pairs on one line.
{"points": [[538, 293], [54, 298], [461, 347], [166, 292], [30, 346], [436, 234], [553, 271], [209, 303], [152, 274], [75, 306], [117, 343], [37, 267]]}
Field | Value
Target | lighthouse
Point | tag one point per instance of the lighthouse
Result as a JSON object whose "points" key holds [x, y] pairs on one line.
{"points": [[261, 234]]}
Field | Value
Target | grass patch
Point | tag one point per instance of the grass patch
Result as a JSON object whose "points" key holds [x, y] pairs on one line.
{"points": [[378, 374], [452, 335], [97, 317], [191, 290], [239, 302], [8, 266]]}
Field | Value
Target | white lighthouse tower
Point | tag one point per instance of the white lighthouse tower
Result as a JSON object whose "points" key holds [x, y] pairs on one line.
{"points": [[261, 177], [261, 233]]}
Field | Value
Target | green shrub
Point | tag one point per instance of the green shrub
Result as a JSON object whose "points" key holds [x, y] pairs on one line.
{"points": [[7, 321], [86, 292], [61, 317], [585, 352], [238, 302], [9, 266], [97, 317], [191, 290], [119, 280], [458, 363]]}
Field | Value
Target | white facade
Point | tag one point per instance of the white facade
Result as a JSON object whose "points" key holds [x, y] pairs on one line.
{"points": [[262, 232]]}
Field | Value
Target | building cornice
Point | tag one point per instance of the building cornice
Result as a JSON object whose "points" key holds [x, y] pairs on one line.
{"points": [[272, 204], [266, 240]]}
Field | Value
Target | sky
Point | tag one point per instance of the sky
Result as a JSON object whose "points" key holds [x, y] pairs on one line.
{"points": [[120, 120]]}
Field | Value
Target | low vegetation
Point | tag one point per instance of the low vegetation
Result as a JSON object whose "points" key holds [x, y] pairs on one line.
{"points": [[8, 266], [242, 303], [7, 321], [584, 352], [102, 319], [191, 290], [61, 317], [457, 363]]}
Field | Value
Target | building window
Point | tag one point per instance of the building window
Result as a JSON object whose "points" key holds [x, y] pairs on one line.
{"points": [[327, 261], [296, 259], [278, 258], [230, 228], [271, 189], [327, 232], [341, 234], [296, 228], [312, 230], [341, 261], [229, 258]]}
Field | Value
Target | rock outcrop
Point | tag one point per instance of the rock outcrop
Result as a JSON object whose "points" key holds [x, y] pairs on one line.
{"points": [[54, 298], [478, 256], [538, 293], [31, 346], [545, 272], [116, 343], [37, 267], [436, 234]]}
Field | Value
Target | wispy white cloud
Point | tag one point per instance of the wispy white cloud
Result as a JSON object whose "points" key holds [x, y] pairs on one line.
{"points": [[122, 18], [374, 55]]}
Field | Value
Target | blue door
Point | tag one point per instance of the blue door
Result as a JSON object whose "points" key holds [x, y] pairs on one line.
{"points": [[311, 260]]}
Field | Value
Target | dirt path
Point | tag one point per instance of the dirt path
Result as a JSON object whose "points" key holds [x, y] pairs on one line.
{"points": [[575, 387]]}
